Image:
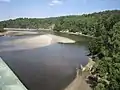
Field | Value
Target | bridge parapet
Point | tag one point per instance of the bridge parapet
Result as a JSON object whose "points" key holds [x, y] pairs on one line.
{"points": [[8, 80]]}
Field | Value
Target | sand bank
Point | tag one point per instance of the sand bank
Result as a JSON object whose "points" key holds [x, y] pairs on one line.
{"points": [[33, 42]]}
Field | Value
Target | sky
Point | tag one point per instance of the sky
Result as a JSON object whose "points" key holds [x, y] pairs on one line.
{"points": [[10, 9]]}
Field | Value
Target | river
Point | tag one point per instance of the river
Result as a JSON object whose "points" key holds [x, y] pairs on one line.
{"points": [[46, 68]]}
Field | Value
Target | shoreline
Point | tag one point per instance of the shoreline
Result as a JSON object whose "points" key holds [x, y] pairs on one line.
{"points": [[2, 33], [77, 33], [17, 33], [79, 83]]}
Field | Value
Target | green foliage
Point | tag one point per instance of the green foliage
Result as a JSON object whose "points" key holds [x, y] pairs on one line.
{"points": [[100, 86], [105, 49], [87, 24], [28, 23]]}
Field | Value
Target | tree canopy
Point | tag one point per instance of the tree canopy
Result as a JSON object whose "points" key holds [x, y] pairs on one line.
{"points": [[105, 49]]}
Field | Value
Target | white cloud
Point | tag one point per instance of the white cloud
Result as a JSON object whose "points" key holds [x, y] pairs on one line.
{"points": [[5, 0], [51, 4], [55, 2]]}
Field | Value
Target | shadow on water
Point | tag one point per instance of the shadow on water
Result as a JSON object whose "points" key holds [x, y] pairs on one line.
{"points": [[48, 68]]}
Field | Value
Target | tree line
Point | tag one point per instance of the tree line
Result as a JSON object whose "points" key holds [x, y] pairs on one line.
{"points": [[105, 49], [33, 23]]}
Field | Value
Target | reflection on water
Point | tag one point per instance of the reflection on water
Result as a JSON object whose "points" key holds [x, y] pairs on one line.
{"points": [[47, 68]]}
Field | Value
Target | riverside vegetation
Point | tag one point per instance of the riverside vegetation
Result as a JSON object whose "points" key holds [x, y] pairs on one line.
{"points": [[104, 50], [1, 29]]}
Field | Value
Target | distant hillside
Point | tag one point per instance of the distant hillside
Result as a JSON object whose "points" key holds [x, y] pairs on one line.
{"points": [[28, 23], [104, 49], [72, 23]]}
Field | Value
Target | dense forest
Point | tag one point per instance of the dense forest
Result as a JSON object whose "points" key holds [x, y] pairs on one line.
{"points": [[105, 49], [28, 23]]}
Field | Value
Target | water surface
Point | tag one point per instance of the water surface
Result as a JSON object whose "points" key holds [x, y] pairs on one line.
{"points": [[47, 68]]}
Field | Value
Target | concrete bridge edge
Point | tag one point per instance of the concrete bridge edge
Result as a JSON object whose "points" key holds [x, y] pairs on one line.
{"points": [[8, 80]]}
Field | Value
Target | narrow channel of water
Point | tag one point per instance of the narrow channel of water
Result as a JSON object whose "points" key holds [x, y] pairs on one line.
{"points": [[47, 68]]}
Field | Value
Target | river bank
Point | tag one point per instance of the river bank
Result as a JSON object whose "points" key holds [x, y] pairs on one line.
{"points": [[18, 33], [77, 33], [79, 83], [2, 33]]}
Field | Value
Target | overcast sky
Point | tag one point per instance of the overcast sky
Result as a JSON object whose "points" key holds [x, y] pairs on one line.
{"points": [[50, 8]]}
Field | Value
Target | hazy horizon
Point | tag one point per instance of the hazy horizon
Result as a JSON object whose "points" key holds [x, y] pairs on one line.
{"points": [[12, 9]]}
